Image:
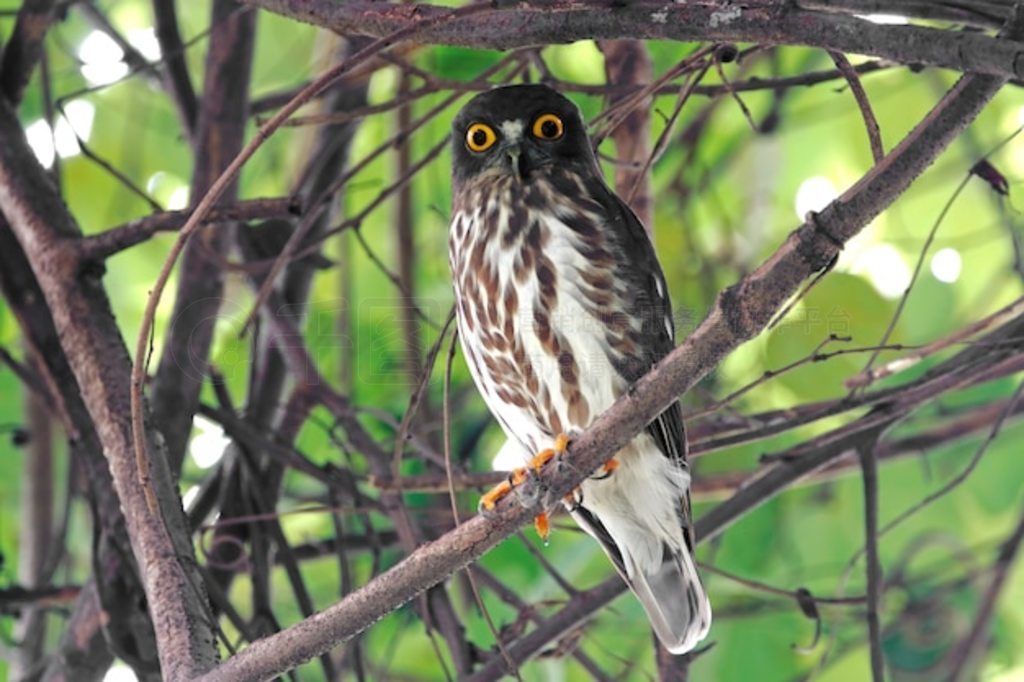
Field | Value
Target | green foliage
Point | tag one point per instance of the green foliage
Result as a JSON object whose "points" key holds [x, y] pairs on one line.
{"points": [[739, 207]]}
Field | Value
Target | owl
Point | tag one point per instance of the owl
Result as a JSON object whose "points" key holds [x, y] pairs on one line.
{"points": [[561, 306]]}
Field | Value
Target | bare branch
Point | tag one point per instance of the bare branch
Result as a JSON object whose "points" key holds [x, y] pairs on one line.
{"points": [[176, 77], [90, 338], [869, 468], [740, 313], [219, 136], [627, 62], [25, 48], [116, 239], [863, 103], [965, 651], [755, 21]]}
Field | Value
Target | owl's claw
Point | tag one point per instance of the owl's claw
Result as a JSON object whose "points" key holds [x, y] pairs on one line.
{"points": [[606, 470], [526, 483]]}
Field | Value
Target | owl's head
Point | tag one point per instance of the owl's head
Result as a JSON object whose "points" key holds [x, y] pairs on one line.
{"points": [[518, 130]]}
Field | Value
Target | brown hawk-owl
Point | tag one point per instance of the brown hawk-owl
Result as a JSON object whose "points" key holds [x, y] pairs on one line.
{"points": [[561, 306]]}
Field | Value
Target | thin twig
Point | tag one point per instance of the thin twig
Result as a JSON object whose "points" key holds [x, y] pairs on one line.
{"points": [[924, 252], [453, 499], [216, 190], [869, 468], [863, 103], [965, 652]]}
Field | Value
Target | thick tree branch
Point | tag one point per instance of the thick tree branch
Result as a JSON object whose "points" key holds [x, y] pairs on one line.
{"points": [[741, 312], [83, 651], [755, 21], [219, 136], [25, 48], [176, 77], [97, 356], [627, 62]]}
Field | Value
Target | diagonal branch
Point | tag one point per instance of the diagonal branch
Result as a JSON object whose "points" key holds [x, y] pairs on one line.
{"points": [[96, 353], [219, 135], [740, 312], [25, 48]]}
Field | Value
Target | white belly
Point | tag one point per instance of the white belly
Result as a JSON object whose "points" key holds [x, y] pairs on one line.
{"points": [[549, 410]]}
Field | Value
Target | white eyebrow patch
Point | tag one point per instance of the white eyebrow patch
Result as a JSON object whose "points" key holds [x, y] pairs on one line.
{"points": [[512, 130]]}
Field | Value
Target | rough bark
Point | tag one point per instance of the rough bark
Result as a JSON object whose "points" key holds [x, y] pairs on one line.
{"points": [[740, 312], [219, 137], [754, 21], [99, 360]]}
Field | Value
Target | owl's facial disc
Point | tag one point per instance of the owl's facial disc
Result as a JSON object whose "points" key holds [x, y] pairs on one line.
{"points": [[516, 153], [519, 131]]}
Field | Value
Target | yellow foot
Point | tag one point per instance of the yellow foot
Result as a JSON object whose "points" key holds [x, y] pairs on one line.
{"points": [[606, 470], [540, 522], [491, 498]]}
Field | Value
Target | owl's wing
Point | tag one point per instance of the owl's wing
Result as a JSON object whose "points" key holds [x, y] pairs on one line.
{"points": [[639, 269]]}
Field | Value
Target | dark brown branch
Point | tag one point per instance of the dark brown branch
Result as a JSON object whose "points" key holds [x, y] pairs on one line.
{"points": [[95, 351], [965, 652], [755, 21], [740, 313], [83, 650], [25, 48], [869, 468], [579, 609], [35, 535], [219, 136], [863, 103], [116, 239], [176, 76], [627, 62]]}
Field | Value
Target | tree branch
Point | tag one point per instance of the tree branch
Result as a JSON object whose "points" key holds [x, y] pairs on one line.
{"points": [[755, 21], [219, 136], [869, 467], [965, 652], [110, 242], [741, 311], [25, 48], [95, 351], [176, 77]]}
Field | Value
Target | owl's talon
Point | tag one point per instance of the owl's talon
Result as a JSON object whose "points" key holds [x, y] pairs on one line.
{"points": [[543, 526], [490, 499], [525, 482], [609, 467]]}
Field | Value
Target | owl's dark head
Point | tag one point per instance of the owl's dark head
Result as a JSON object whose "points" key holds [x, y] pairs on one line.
{"points": [[518, 130]]}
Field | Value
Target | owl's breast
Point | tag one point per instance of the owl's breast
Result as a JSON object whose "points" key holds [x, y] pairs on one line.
{"points": [[539, 313]]}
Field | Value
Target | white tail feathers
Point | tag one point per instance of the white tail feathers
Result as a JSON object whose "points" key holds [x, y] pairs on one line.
{"points": [[674, 600], [638, 516]]}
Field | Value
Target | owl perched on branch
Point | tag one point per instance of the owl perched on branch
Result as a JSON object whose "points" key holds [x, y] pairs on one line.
{"points": [[561, 306]]}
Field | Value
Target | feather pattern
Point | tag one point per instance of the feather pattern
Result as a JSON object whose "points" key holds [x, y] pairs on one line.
{"points": [[561, 306]]}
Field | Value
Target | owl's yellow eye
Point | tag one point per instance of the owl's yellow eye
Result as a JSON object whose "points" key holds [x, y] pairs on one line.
{"points": [[480, 137], [548, 127]]}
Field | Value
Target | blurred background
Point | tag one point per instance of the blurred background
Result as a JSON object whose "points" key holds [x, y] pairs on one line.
{"points": [[768, 134]]}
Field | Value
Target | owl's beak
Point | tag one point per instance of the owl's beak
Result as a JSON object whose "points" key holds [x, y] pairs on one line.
{"points": [[517, 160]]}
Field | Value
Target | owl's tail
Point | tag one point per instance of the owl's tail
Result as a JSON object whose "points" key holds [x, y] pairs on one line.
{"points": [[675, 601], [637, 515]]}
